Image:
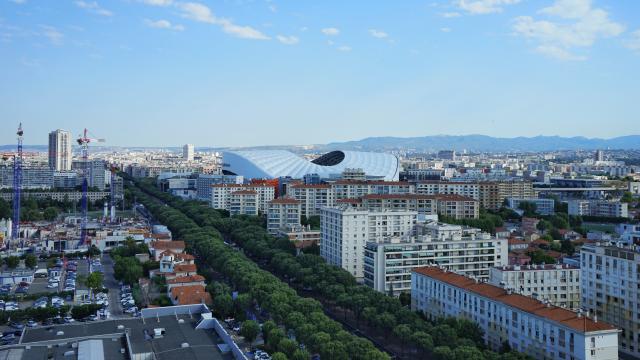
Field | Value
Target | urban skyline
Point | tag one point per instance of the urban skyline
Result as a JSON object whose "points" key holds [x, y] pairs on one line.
{"points": [[295, 73]]}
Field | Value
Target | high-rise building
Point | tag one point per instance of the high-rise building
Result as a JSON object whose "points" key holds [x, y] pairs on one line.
{"points": [[60, 154], [599, 155], [187, 152], [346, 230], [610, 286], [282, 213]]}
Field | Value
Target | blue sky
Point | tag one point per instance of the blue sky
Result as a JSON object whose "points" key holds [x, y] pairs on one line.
{"points": [[234, 73]]}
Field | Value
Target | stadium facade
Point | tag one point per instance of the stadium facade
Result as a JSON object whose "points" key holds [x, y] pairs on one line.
{"points": [[261, 164]]}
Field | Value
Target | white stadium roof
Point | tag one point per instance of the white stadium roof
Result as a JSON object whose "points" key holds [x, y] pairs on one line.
{"points": [[261, 164]]}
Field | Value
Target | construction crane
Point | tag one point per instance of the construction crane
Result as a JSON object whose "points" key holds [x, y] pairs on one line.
{"points": [[83, 141], [17, 187]]}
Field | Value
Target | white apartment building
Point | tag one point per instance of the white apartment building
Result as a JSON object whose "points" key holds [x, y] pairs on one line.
{"points": [[471, 190], [388, 265], [349, 189], [283, 213], [60, 154], [204, 182], [220, 195], [538, 329], [243, 202], [611, 290], [544, 206], [312, 197], [187, 152], [634, 187], [459, 207], [346, 230], [598, 208], [558, 284]]}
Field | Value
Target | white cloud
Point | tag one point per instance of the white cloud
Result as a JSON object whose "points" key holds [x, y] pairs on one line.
{"points": [[163, 24], [344, 48], [378, 34], [202, 13], [331, 31], [288, 40], [157, 2], [51, 33], [93, 7], [634, 42], [445, 29], [273, 8], [559, 53], [452, 14], [477, 7], [19, 1], [581, 27]]}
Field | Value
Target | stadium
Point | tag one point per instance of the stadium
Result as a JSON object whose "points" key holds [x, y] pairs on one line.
{"points": [[261, 164]]}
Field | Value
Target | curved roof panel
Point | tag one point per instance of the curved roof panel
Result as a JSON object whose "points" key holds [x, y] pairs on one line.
{"points": [[277, 163]]}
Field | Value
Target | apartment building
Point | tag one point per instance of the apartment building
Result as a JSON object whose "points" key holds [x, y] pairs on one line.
{"points": [[493, 194], [610, 289], [558, 284], [544, 206], [471, 190], [346, 230], [282, 213], [388, 265], [312, 197], [349, 189], [33, 177], [598, 208], [204, 182], [60, 154], [220, 195], [538, 329], [243, 202], [458, 207]]}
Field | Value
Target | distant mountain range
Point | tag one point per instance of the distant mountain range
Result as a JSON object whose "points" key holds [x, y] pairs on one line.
{"points": [[471, 143], [487, 143]]}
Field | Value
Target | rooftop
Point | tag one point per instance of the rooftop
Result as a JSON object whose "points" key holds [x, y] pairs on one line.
{"points": [[284, 201], [552, 313]]}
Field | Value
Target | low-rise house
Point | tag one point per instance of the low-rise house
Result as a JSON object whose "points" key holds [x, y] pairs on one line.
{"points": [[192, 294], [185, 281], [156, 248]]}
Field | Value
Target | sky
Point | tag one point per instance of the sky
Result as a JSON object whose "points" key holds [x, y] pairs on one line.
{"points": [[273, 72]]}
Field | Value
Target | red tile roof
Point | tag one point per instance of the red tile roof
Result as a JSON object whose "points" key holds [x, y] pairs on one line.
{"points": [[556, 314], [186, 279], [164, 245], [185, 268], [192, 294]]}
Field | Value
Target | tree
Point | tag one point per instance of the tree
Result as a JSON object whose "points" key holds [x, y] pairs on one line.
{"points": [[250, 330], [405, 298], [287, 346], [528, 207], [12, 262], [50, 213], [127, 269], [223, 305], [93, 251], [94, 280], [31, 261], [627, 197], [300, 354], [279, 356], [5, 209], [403, 332], [566, 246]]}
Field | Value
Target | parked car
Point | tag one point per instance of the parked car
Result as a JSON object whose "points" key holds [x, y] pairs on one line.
{"points": [[68, 319], [17, 325], [32, 323]]}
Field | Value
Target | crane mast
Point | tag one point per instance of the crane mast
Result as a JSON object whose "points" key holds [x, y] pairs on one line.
{"points": [[17, 187]]}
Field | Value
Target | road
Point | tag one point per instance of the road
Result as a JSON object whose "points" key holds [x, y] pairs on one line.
{"points": [[113, 285]]}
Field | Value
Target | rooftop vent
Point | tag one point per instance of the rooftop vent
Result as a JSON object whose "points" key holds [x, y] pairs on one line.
{"points": [[180, 321], [158, 333], [120, 327], [60, 333], [184, 345]]}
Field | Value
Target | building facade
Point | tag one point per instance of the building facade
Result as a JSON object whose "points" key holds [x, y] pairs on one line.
{"points": [[187, 152], [220, 195], [60, 154], [346, 230], [558, 284], [544, 206], [312, 197], [611, 290], [538, 329], [598, 208], [283, 213], [388, 265], [243, 202]]}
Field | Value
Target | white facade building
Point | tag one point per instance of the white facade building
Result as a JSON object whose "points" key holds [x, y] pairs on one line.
{"points": [[388, 265], [346, 230], [471, 190], [312, 197], [538, 329], [558, 284], [544, 206], [611, 290], [598, 208], [282, 213], [60, 155], [220, 195]]}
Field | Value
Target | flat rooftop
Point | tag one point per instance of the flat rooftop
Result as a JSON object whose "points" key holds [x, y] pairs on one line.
{"points": [[178, 330]]}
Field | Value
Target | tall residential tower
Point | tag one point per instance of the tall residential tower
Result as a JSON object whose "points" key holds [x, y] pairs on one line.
{"points": [[60, 150]]}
